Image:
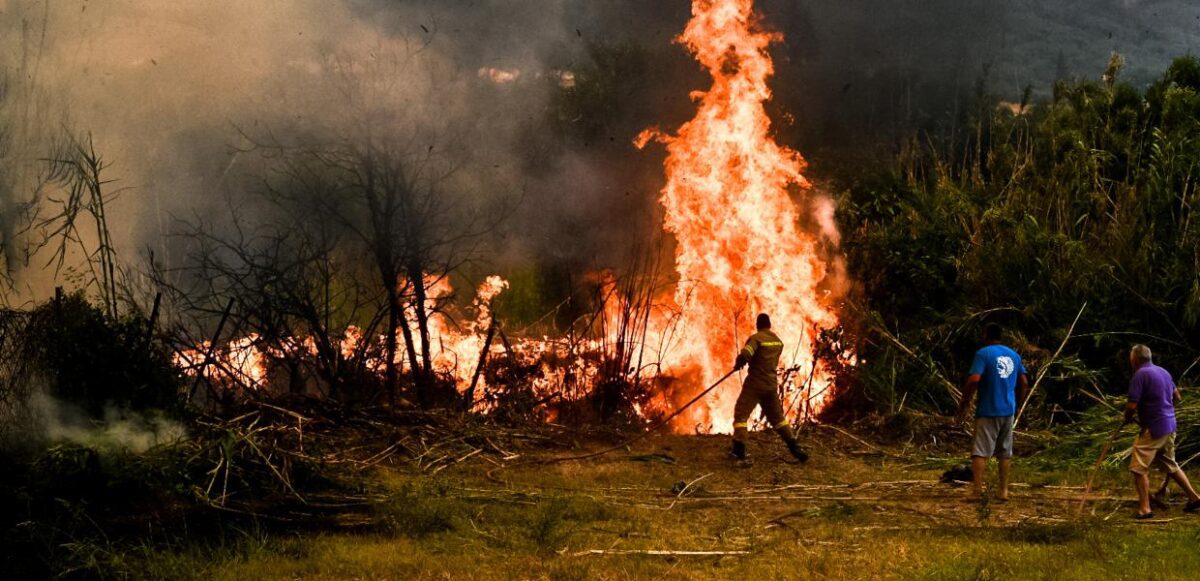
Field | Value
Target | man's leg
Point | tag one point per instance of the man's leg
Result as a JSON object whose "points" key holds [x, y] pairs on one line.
{"points": [[1004, 465], [773, 409], [978, 472], [1141, 457], [1166, 461], [1004, 444], [1181, 478], [984, 447], [1141, 483], [741, 416]]}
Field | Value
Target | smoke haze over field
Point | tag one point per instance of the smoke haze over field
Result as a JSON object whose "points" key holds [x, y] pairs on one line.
{"points": [[167, 87]]}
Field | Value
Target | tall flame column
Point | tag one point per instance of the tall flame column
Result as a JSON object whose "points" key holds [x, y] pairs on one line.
{"points": [[728, 203]]}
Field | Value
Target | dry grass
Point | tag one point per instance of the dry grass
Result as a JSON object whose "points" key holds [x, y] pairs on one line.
{"points": [[851, 512]]}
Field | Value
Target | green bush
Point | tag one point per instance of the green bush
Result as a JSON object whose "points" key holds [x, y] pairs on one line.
{"points": [[95, 362], [1020, 219]]}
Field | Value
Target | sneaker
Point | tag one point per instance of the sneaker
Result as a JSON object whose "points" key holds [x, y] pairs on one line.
{"points": [[798, 452], [1192, 506]]}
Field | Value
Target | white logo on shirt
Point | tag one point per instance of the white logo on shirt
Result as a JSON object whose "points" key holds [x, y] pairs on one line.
{"points": [[1004, 366]]}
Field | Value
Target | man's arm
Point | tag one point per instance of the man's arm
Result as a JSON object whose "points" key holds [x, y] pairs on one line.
{"points": [[1136, 387], [1130, 412], [1178, 399], [968, 394], [1022, 389], [745, 354], [978, 364]]}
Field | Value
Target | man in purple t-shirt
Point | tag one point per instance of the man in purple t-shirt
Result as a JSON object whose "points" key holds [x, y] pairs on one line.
{"points": [[1152, 399]]}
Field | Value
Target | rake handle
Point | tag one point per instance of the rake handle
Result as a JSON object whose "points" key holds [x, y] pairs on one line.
{"points": [[1099, 461]]}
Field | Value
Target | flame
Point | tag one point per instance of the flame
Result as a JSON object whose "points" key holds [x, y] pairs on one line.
{"points": [[457, 350], [240, 361], [729, 203]]}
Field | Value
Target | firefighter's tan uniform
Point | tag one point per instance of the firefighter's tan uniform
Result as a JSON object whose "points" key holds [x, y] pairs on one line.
{"points": [[761, 357]]}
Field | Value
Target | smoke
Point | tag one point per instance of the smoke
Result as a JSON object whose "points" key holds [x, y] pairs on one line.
{"points": [[167, 88], [45, 419]]}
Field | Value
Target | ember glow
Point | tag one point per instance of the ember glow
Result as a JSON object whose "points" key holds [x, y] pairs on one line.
{"points": [[499, 76], [731, 204]]}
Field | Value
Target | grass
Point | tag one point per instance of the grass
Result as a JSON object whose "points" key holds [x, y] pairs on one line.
{"points": [[819, 550], [793, 521]]}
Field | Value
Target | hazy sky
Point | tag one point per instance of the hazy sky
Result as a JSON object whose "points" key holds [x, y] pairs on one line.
{"points": [[165, 86]]}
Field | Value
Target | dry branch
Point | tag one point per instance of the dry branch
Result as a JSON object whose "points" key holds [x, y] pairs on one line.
{"points": [[655, 552], [1045, 368], [955, 394], [1100, 460]]}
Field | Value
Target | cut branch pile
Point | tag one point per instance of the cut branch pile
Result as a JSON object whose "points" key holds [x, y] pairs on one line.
{"points": [[307, 458]]}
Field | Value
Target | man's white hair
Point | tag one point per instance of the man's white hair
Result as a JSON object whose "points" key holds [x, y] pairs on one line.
{"points": [[1141, 353]]}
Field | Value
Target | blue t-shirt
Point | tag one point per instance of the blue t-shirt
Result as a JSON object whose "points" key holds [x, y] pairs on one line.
{"points": [[997, 367]]}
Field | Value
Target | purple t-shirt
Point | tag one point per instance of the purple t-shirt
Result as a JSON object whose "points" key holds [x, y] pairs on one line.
{"points": [[1154, 391]]}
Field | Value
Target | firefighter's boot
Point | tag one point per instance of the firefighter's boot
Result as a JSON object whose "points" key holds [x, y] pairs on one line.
{"points": [[785, 432], [738, 452], [797, 452], [740, 433]]}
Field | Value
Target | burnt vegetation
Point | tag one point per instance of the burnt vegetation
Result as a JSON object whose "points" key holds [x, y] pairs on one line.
{"points": [[128, 401], [1026, 213]]}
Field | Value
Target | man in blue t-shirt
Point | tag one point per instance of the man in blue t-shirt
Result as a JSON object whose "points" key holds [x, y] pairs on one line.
{"points": [[999, 376]]}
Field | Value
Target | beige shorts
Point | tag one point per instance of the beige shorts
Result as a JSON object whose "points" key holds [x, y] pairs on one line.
{"points": [[1149, 451]]}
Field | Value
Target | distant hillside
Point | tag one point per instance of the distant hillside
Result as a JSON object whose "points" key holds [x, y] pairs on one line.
{"points": [[1024, 41]]}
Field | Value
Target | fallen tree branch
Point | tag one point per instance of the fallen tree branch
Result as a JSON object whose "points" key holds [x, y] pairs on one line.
{"points": [[860, 440], [684, 490]]}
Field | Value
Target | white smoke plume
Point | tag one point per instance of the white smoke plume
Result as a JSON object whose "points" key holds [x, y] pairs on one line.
{"points": [[44, 420]]}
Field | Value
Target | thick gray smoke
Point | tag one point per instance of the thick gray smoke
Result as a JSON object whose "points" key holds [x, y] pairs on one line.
{"points": [[167, 87]]}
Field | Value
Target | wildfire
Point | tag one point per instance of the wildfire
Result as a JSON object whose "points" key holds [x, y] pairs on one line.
{"points": [[732, 201], [728, 201]]}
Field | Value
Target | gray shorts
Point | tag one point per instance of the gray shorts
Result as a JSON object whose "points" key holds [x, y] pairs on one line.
{"points": [[993, 437]]}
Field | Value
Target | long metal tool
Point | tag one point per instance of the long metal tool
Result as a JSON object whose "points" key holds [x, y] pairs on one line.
{"points": [[652, 428], [639, 436]]}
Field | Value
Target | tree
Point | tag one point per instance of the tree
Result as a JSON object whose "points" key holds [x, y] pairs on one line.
{"points": [[75, 174], [376, 184], [296, 291]]}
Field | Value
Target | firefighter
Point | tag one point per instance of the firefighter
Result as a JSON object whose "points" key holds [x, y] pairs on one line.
{"points": [[761, 354]]}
